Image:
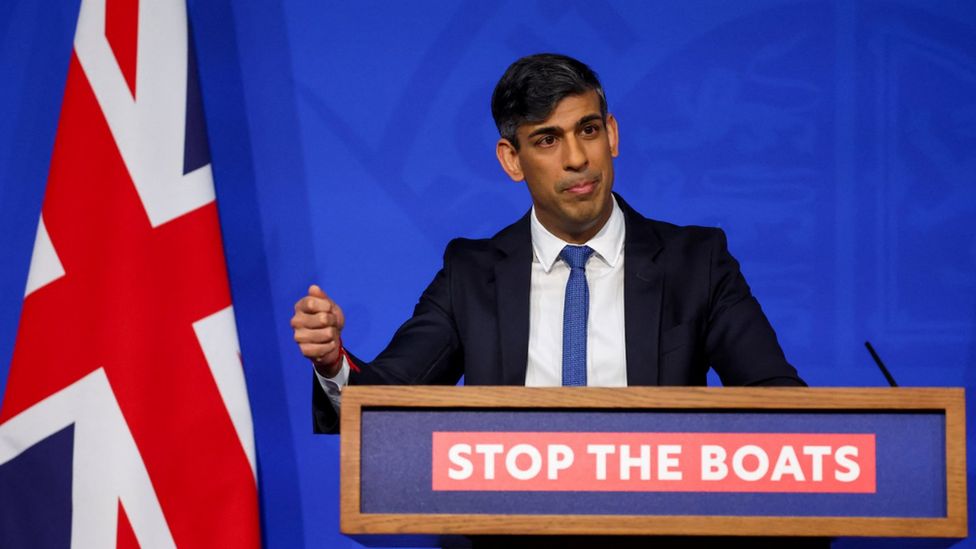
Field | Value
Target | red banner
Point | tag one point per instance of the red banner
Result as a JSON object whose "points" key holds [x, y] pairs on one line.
{"points": [[654, 462]]}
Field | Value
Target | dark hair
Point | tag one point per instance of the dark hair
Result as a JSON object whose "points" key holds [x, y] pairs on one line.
{"points": [[532, 86]]}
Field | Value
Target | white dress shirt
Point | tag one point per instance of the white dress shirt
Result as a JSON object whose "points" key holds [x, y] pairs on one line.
{"points": [[606, 354]]}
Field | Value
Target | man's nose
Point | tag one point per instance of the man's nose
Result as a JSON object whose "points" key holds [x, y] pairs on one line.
{"points": [[574, 155]]}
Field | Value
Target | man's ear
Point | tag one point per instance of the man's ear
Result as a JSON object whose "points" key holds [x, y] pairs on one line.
{"points": [[509, 159], [612, 136]]}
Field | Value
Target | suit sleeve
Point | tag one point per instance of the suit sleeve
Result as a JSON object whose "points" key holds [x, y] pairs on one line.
{"points": [[425, 350], [741, 344]]}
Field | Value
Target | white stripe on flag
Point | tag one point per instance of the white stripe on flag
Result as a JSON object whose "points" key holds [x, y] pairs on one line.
{"points": [[45, 266], [217, 335]]}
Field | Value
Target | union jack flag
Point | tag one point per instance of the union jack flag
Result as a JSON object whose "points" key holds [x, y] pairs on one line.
{"points": [[126, 421]]}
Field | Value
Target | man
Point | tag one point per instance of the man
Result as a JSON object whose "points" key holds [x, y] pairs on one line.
{"points": [[582, 290]]}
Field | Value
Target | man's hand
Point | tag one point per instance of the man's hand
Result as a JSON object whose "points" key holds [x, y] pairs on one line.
{"points": [[318, 324]]}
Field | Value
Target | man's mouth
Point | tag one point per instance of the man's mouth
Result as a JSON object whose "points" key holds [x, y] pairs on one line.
{"points": [[581, 187]]}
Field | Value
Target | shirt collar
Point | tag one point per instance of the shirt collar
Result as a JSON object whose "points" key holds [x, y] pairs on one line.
{"points": [[607, 244]]}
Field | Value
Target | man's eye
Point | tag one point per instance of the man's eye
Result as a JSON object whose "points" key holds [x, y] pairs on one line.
{"points": [[546, 141], [591, 129]]}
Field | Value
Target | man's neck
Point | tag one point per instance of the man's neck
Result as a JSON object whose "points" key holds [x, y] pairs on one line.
{"points": [[608, 241]]}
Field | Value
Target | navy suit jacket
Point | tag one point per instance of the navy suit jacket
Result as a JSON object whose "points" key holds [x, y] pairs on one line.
{"points": [[686, 308]]}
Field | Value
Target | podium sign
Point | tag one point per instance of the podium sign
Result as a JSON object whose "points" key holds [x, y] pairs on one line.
{"points": [[653, 461]]}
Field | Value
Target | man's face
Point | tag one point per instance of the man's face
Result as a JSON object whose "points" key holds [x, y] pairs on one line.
{"points": [[566, 161]]}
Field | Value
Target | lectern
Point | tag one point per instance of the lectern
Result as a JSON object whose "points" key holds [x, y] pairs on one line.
{"points": [[653, 461]]}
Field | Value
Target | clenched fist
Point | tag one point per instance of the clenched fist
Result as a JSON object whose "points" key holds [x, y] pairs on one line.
{"points": [[318, 324]]}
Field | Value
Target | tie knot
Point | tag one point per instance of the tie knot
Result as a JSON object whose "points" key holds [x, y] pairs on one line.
{"points": [[576, 256]]}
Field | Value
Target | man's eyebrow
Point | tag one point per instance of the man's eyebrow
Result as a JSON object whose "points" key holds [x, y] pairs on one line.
{"points": [[588, 118], [556, 130], [546, 130]]}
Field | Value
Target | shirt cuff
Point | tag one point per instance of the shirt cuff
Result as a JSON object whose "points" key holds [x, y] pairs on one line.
{"points": [[333, 385]]}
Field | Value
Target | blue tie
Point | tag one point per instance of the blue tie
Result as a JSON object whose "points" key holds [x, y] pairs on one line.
{"points": [[575, 311]]}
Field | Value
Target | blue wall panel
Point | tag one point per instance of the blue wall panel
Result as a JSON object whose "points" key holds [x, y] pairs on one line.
{"points": [[834, 141]]}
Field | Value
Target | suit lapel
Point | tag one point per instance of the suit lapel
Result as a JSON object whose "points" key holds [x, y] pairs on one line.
{"points": [[643, 291], [513, 274]]}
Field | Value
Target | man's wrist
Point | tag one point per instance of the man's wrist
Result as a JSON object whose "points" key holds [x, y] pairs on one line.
{"points": [[330, 369]]}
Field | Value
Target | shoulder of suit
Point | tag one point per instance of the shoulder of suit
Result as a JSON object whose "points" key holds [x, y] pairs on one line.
{"points": [[514, 239], [671, 233], [469, 245], [471, 251], [647, 229]]}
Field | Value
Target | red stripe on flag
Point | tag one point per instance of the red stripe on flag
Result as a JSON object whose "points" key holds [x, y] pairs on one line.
{"points": [[122, 33], [125, 537]]}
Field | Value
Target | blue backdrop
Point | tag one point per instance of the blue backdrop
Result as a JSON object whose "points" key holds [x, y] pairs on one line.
{"points": [[834, 141]]}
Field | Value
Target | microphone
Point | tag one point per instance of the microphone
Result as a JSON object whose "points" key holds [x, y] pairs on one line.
{"points": [[877, 360]]}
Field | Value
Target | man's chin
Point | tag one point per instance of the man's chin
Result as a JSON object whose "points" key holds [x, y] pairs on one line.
{"points": [[584, 219]]}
